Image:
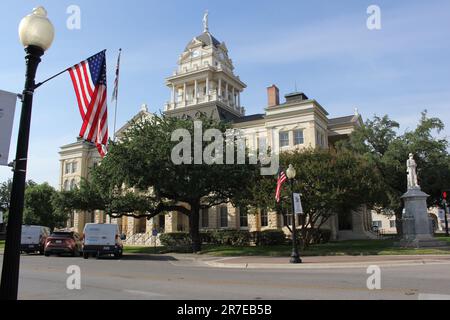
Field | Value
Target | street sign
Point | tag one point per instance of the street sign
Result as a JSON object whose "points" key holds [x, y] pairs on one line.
{"points": [[7, 109], [155, 232], [297, 204]]}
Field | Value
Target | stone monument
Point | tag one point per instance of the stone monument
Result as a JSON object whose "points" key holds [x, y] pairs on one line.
{"points": [[417, 224]]}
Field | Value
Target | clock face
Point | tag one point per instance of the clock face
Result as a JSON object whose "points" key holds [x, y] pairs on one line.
{"points": [[195, 54]]}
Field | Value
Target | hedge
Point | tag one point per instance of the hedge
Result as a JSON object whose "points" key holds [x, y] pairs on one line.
{"points": [[269, 237]]}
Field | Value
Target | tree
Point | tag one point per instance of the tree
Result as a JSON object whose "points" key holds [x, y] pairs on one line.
{"points": [[5, 194], [330, 183], [39, 209], [138, 177], [380, 144]]}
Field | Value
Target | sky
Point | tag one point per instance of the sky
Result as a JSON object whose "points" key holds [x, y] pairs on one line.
{"points": [[322, 48]]}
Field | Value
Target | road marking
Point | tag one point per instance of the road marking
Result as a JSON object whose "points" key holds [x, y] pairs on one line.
{"points": [[430, 296], [144, 293]]}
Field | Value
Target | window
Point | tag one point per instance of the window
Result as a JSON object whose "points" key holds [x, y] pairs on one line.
{"points": [[243, 217], [161, 222], [262, 144], [205, 218], [74, 167], [66, 185], [72, 184], [298, 137], [68, 167], [223, 217], [392, 224], [264, 218], [318, 137], [377, 224], [284, 139]]}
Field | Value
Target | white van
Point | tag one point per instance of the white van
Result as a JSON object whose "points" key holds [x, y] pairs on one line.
{"points": [[102, 238], [33, 238]]}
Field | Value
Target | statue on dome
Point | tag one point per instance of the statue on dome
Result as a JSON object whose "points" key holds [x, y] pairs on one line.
{"points": [[205, 22]]}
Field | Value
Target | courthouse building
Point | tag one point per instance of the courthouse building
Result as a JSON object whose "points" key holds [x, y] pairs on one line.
{"points": [[205, 81]]}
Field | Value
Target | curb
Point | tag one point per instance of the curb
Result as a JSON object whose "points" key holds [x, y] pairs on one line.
{"points": [[310, 266]]}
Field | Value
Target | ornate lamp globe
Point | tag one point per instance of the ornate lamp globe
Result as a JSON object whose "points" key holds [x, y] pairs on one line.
{"points": [[36, 29], [290, 172]]}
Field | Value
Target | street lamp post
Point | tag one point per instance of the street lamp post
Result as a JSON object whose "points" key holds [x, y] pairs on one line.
{"points": [[36, 35], [295, 257]]}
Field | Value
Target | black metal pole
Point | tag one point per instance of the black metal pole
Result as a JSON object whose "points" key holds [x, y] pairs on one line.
{"points": [[445, 218], [295, 257], [11, 258]]}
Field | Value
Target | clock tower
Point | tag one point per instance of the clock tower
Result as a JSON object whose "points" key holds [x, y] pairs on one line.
{"points": [[204, 81]]}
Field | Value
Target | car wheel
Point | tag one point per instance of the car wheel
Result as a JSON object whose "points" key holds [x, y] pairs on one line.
{"points": [[85, 255], [47, 254]]}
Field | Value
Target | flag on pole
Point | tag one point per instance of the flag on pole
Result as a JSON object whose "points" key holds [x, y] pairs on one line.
{"points": [[116, 81], [89, 81], [281, 179]]}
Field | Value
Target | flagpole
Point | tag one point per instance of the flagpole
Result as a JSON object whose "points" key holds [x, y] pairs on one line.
{"points": [[54, 76], [116, 94], [115, 117]]}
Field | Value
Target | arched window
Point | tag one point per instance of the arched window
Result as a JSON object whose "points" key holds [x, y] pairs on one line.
{"points": [[66, 185], [72, 184]]}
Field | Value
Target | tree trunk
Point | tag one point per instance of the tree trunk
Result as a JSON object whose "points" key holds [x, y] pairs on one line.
{"points": [[398, 220], [194, 218]]}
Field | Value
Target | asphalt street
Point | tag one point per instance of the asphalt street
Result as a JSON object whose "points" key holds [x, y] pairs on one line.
{"points": [[183, 277]]}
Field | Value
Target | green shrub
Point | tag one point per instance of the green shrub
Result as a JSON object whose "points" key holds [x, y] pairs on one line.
{"points": [[315, 236], [177, 241], [229, 237], [207, 237], [269, 237]]}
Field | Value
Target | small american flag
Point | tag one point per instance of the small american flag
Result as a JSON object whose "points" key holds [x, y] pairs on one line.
{"points": [[281, 179], [89, 81]]}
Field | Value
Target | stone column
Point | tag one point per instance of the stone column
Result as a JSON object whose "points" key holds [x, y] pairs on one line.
{"points": [[207, 88], [184, 94], [171, 222], [226, 91], [195, 91], [272, 216], [234, 97], [131, 227], [220, 88], [78, 221], [239, 99], [173, 94]]}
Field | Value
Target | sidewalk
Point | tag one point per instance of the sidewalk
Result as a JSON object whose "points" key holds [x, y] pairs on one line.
{"points": [[325, 262]]}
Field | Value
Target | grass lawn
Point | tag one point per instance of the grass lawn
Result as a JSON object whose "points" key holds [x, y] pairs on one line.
{"points": [[351, 247], [144, 249]]}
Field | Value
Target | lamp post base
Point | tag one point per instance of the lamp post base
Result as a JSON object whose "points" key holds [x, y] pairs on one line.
{"points": [[295, 258]]}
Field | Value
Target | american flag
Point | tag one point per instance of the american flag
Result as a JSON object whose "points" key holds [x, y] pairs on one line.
{"points": [[116, 81], [89, 82], [281, 179]]}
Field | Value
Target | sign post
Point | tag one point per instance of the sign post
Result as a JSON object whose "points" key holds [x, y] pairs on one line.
{"points": [[7, 109]]}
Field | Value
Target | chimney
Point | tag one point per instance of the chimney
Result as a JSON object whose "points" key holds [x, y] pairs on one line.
{"points": [[273, 96]]}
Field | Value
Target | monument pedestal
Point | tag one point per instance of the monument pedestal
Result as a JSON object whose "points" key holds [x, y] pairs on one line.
{"points": [[417, 224]]}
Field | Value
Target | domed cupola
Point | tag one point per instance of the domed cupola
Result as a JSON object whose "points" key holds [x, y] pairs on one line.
{"points": [[204, 80]]}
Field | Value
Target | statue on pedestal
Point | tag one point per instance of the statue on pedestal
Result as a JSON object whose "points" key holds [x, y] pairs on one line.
{"points": [[412, 173]]}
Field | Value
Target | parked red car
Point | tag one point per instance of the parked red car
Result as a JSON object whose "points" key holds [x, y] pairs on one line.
{"points": [[60, 242]]}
